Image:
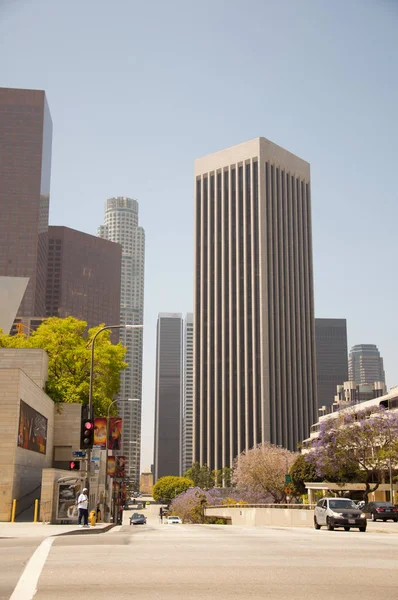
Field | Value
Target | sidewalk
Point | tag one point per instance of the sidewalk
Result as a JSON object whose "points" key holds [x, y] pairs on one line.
{"points": [[43, 530]]}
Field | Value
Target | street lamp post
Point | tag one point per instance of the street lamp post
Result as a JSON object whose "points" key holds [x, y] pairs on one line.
{"points": [[107, 448], [90, 391]]}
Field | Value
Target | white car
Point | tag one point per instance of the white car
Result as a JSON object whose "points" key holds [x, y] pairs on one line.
{"points": [[173, 521]]}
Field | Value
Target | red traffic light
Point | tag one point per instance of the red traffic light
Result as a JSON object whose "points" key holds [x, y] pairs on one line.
{"points": [[88, 425], [74, 465]]}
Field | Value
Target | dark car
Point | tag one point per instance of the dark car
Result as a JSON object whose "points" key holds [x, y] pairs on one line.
{"points": [[137, 519], [381, 510]]}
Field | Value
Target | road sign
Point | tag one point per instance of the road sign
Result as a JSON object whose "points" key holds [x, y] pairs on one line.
{"points": [[79, 454], [288, 479]]}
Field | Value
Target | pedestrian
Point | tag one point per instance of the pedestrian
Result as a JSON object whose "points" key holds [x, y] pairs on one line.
{"points": [[82, 505]]}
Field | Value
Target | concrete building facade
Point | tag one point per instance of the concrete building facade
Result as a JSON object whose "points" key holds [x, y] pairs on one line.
{"points": [[187, 409], [168, 399], [121, 226], [25, 408], [83, 278], [365, 365], [331, 357], [254, 343], [25, 170]]}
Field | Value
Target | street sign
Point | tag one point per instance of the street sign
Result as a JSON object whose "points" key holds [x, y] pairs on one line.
{"points": [[79, 454], [288, 479]]}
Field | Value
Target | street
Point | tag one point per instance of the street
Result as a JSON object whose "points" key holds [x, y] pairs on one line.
{"points": [[209, 561]]}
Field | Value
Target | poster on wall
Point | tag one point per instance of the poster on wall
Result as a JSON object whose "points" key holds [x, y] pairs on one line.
{"points": [[115, 433], [32, 430], [100, 432], [120, 467], [68, 492], [111, 466]]}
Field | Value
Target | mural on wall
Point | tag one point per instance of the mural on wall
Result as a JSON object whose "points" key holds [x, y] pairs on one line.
{"points": [[32, 430]]}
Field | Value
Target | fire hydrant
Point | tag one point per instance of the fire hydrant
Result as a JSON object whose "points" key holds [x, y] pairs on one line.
{"points": [[92, 518]]}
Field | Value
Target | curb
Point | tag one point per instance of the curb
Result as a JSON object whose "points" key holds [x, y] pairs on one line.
{"points": [[90, 531]]}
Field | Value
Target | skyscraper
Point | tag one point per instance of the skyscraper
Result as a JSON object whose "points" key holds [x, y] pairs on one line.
{"points": [[121, 226], [25, 169], [83, 278], [254, 341], [168, 399], [187, 410], [365, 365], [331, 357]]}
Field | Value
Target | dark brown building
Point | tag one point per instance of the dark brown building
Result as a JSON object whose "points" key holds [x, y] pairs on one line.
{"points": [[84, 275], [25, 168]]}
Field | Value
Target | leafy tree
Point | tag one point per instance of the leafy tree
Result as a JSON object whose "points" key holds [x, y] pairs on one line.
{"points": [[223, 477], [262, 470], [169, 487], [201, 476], [302, 470], [69, 357], [356, 446]]}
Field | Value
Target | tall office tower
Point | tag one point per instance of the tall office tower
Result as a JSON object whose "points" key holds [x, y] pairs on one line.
{"points": [[187, 409], [168, 399], [121, 226], [25, 169], [331, 357], [83, 278], [365, 365], [254, 343]]}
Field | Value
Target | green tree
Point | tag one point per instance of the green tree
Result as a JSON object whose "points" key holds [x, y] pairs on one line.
{"points": [[223, 477], [301, 471], [169, 487], [201, 476], [69, 355]]}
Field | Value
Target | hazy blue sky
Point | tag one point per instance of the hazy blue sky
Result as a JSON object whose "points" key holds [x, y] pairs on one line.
{"points": [[138, 90]]}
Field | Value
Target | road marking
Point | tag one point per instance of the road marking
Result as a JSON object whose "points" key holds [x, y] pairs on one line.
{"points": [[26, 587]]}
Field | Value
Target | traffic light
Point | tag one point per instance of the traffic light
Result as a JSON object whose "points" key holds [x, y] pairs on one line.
{"points": [[87, 434], [74, 465]]}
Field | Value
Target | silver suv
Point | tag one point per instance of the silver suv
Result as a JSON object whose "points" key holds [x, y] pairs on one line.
{"points": [[338, 512]]}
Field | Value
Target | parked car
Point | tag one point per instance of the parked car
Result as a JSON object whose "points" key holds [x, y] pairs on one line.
{"points": [[137, 519], [338, 512], [173, 521], [381, 510]]}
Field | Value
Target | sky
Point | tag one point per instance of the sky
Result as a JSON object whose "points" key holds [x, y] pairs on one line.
{"points": [[138, 90]]}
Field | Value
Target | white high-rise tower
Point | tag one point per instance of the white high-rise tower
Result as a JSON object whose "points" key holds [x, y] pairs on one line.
{"points": [[121, 226]]}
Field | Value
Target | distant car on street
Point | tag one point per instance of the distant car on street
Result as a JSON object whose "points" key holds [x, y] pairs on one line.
{"points": [[173, 520], [137, 519], [382, 511], [338, 512]]}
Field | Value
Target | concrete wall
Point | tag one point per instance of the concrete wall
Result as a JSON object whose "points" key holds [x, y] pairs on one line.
{"points": [[48, 501], [67, 420], [279, 517], [20, 469], [33, 361]]}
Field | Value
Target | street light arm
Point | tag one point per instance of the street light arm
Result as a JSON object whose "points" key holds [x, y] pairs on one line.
{"points": [[90, 393]]}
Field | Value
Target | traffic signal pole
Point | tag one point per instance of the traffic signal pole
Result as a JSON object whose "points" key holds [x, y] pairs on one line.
{"points": [[90, 391]]}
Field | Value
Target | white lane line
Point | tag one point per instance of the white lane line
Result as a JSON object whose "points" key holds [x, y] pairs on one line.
{"points": [[26, 587]]}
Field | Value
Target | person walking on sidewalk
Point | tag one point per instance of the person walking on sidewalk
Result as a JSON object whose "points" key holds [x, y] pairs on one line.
{"points": [[82, 505]]}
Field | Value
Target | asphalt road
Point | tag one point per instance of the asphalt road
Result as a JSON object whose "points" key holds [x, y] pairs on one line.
{"points": [[167, 562]]}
